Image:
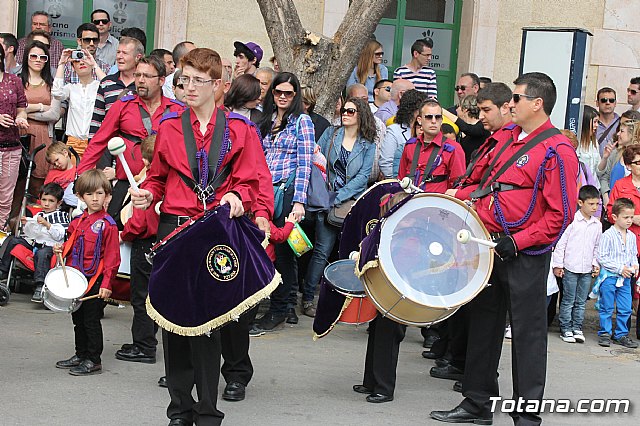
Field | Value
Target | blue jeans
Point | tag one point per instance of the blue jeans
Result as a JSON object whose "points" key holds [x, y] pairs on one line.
{"points": [[326, 236], [575, 292], [609, 294]]}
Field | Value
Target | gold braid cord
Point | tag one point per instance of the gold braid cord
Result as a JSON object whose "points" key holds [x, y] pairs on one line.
{"points": [[344, 306]]}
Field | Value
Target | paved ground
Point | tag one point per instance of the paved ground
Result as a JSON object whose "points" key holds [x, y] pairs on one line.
{"points": [[297, 381]]}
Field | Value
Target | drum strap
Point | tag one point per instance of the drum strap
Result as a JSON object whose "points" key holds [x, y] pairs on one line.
{"points": [[67, 248], [475, 156], [429, 167], [485, 188], [204, 184], [146, 122]]}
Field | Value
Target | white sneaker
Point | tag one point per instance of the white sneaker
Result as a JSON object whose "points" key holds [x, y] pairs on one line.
{"points": [[578, 335], [507, 332], [567, 336]]}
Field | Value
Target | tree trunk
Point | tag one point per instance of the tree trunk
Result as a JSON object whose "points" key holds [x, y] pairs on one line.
{"points": [[318, 61]]}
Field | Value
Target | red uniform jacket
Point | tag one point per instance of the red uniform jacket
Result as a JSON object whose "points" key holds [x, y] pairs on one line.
{"points": [[545, 222], [124, 116], [278, 236], [450, 163], [142, 224], [89, 226], [170, 157], [624, 188]]}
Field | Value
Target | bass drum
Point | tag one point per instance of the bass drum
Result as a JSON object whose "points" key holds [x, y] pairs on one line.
{"points": [[413, 268]]}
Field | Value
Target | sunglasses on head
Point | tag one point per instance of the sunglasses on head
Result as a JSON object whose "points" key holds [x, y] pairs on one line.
{"points": [[632, 92], [100, 21], [88, 40], [518, 96], [431, 117], [350, 112], [35, 57], [286, 93], [607, 100]]}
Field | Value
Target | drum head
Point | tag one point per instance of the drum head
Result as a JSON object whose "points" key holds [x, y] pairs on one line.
{"points": [[341, 275], [421, 257], [56, 284]]}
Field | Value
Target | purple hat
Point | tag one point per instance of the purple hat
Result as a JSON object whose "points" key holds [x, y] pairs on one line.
{"points": [[251, 47]]}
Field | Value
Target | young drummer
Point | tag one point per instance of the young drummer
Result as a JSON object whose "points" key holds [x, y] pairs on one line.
{"points": [[93, 249]]}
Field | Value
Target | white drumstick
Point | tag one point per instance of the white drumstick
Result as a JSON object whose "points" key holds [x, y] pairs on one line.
{"points": [[406, 184], [464, 237], [117, 147]]}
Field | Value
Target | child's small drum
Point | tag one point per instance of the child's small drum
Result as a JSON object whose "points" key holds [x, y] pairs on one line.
{"points": [[60, 296], [298, 241]]}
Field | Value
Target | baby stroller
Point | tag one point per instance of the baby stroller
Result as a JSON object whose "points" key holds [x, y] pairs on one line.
{"points": [[5, 291]]}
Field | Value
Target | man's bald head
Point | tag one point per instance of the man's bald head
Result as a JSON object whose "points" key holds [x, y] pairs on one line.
{"points": [[398, 88], [359, 91]]}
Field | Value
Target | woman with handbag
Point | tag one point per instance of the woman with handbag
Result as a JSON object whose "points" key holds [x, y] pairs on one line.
{"points": [[288, 141], [349, 150]]}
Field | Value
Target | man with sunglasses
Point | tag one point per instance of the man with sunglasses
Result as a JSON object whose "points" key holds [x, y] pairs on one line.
{"points": [[633, 93], [87, 40], [608, 119], [381, 94], [468, 84], [40, 20], [107, 46], [526, 198]]}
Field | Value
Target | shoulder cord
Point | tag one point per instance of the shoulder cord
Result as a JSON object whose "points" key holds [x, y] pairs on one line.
{"points": [[77, 255], [499, 215], [203, 160]]}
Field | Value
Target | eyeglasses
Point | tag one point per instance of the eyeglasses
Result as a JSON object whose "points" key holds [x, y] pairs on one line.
{"points": [[458, 88], [607, 100], [350, 112], [88, 40], [40, 24], [632, 92], [286, 93], [432, 117], [145, 75], [100, 21], [518, 96], [379, 54], [197, 81], [35, 57], [427, 55], [635, 163]]}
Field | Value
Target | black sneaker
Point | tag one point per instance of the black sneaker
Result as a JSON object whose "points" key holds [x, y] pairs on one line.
{"points": [[292, 317], [37, 294], [604, 340], [270, 321], [626, 342], [255, 331]]}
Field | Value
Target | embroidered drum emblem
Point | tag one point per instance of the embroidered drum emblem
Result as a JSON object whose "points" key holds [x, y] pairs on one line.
{"points": [[370, 225], [522, 160], [222, 263]]}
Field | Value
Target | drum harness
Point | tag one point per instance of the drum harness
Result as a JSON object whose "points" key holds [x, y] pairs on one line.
{"points": [[430, 166], [493, 187]]}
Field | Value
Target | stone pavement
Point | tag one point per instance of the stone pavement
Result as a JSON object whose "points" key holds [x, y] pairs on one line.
{"points": [[297, 381]]}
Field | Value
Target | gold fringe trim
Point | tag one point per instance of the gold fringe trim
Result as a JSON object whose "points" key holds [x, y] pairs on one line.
{"points": [[370, 264], [218, 322], [344, 306]]}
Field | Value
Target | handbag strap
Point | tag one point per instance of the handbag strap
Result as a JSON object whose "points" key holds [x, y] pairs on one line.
{"points": [[329, 162], [606, 132]]}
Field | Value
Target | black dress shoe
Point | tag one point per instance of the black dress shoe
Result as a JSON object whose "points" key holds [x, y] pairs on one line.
{"points": [[432, 355], [134, 354], [429, 341], [234, 391], [162, 382], [377, 398], [448, 372], [179, 422], [270, 321], [74, 361], [292, 317], [442, 362], [86, 368], [460, 415], [457, 387], [362, 389]]}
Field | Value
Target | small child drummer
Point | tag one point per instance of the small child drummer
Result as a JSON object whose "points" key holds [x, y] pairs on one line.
{"points": [[93, 249]]}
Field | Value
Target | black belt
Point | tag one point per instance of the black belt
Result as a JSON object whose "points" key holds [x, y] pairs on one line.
{"points": [[172, 219], [9, 144]]}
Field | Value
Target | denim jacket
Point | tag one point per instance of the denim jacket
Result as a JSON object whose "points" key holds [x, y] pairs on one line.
{"points": [[358, 167]]}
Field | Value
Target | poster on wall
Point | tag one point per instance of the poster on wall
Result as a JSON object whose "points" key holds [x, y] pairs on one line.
{"points": [[441, 60], [66, 17], [124, 14]]}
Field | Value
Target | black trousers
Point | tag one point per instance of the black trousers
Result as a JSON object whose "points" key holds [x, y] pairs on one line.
{"points": [[234, 337], [87, 328], [519, 287], [286, 263], [383, 346], [190, 361], [143, 329], [458, 330]]}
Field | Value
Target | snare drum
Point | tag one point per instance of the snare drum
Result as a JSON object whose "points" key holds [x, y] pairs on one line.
{"points": [[60, 297], [414, 269]]}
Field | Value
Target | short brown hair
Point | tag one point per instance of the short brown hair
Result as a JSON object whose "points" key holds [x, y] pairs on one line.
{"points": [[630, 153], [56, 148], [156, 63], [621, 204], [91, 181], [204, 60], [147, 146]]}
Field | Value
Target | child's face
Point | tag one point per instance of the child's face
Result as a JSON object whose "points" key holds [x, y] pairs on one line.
{"points": [[60, 161], [589, 207], [624, 219], [94, 200], [49, 203]]}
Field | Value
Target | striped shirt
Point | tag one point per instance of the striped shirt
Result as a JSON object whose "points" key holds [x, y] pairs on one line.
{"points": [[424, 80], [59, 221], [290, 151], [613, 254], [109, 91]]}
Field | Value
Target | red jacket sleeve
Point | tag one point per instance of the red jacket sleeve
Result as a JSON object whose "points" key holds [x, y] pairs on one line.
{"points": [[458, 167], [110, 125], [280, 235], [405, 162]]}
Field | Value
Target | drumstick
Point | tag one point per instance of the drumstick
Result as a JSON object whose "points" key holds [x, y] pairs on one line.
{"points": [[406, 184], [95, 296], [117, 147], [64, 269], [464, 237]]}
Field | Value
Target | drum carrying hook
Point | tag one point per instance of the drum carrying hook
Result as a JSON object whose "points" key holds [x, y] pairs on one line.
{"points": [[393, 306]]}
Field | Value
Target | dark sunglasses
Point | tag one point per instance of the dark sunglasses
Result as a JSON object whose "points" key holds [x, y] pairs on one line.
{"points": [[635, 163], [379, 54], [463, 88], [518, 96], [632, 92], [286, 93], [388, 88], [88, 40], [100, 21], [431, 117], [607, 100], [350, 112]]}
